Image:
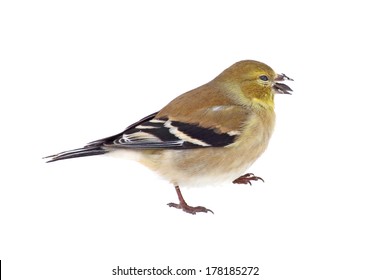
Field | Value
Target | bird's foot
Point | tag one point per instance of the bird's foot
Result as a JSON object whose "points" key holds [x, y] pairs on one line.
{"points": [[247, 178], [189, 209], [185, 207]]}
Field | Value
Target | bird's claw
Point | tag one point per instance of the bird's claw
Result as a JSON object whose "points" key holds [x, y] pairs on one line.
{"points": [[247, 178], [190, 209]]}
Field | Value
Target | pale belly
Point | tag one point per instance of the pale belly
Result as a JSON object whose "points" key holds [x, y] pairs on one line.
{"points": [[208, 166]]}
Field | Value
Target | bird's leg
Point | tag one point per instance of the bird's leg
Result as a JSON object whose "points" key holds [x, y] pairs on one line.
{"points": [[185, 207], [247, 178]]}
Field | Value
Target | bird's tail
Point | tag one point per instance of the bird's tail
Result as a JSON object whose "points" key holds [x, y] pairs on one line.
{"points": [[82, 152]]}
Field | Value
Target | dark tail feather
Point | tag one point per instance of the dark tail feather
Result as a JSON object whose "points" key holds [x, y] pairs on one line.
{"points": [[82, 152]]}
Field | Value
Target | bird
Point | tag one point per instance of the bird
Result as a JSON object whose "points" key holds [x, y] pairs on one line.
{"points": [[208, 135]]}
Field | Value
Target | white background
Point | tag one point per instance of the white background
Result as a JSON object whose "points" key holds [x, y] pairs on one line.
{"points": [[76, 71]]}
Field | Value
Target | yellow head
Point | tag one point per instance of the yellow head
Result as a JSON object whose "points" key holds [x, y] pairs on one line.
{"points": [[254, 81]]}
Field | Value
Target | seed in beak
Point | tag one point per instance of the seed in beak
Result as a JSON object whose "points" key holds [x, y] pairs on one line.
{"points": [[282, 88]]}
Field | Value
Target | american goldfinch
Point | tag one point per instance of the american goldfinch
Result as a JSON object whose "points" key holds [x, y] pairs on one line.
{"points": [[208, 135]]}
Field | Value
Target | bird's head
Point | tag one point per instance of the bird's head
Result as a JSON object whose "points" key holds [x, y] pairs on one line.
{"points": [[254, 81]]}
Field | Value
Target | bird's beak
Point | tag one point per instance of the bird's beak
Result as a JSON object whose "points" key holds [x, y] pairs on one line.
{"points": [[282, 88]]}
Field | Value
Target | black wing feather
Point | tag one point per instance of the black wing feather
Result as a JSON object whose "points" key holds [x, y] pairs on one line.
{"points": [[151, 133], [160, 136], [207, 135]]}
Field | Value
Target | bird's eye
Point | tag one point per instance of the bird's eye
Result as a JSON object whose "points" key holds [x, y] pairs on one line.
{"points": [[264, 78]]}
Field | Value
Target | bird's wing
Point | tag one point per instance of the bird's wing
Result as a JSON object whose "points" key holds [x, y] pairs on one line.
{"points": [[217, 126]]}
